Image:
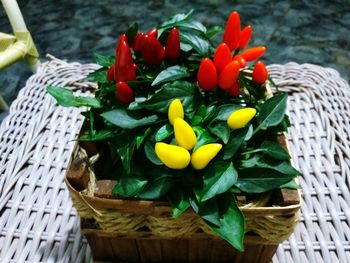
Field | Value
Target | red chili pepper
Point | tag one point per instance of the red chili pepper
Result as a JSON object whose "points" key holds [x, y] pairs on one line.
{"points": [[222, 57], [138, 42], [229, 75], [232, 31], [241, 60], [152, 33], [254, 53], [234, 91], [172, 48], [124, 93], [246, 34], [110, 73], [152, 51], [207, 76], [260, 73], [125, 68]]}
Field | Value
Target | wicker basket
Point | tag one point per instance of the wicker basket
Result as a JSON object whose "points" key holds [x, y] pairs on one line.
{"points": [[144, 231]]}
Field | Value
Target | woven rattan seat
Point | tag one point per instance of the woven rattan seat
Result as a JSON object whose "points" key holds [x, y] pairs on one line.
{"points": [[39, 224]]}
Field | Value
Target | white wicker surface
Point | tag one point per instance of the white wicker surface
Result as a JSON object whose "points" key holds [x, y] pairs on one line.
{"points": [[39, 224]]}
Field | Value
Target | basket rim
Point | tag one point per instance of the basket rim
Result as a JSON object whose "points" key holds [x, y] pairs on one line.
{"points": [[151, 207]]}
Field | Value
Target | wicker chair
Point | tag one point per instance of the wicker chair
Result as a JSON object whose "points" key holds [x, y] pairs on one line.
{"points": [[18, 46], [39, 224]]}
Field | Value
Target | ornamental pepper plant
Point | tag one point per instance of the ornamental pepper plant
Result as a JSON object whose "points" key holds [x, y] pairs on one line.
{"points": [[181, 117]]}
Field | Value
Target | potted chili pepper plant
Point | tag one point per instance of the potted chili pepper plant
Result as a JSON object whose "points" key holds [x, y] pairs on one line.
{"points": [[183, 144]]}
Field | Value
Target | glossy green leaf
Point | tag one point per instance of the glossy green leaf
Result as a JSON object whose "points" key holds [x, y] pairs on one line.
{"points": [[260, 174], [213, 31], [129, 185], [179, 202], [183, 21], [99, 75], [151, 154], [141, 138], [218, 178], [164, 132], [66, 98], [198, 43], [290, 185], [98, 136], [235, 141], [129, 119], [221, 130], [283, 167], [160, 101], [232, 224], [104, 61], [157, 188], [203, 137], [126, 152], [170, 74], [272, 112], [224, 111], [260, 180], [176, 19], [274, 150], [209, 211]]}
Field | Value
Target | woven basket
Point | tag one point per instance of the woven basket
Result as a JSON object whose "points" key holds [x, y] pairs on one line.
{"points": [[144, 231]]}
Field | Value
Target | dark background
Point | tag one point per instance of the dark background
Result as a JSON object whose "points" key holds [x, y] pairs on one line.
{"points": [[312, 31]]}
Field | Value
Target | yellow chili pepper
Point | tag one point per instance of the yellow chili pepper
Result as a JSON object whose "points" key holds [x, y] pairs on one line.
{"points": [[239, 118], [175, 110], [174, 157], [204, 154], [184, 134]]}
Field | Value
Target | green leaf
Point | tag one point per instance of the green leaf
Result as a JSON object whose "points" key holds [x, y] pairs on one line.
{"points": [[198, 43], [272, 112], [203, 137], [290, 185], [249, 133], [260, 180], [129, 119], [209, 211], [164, 132], [126, 152], [157, 188], [274, 150], [66, 98], [179, 202], [224, 111], [232, 224], [129, 185], [178, 18], [97, 136], [183, 21], [185, 47], [260, 174], [170, 74], [160, 101], [140, 138], [131, 33], [151, 154], [217, 179], [237, 138], [221, 130], [209, 113], [99, 75], [104, 61], [283, 167], [213, 31]]}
